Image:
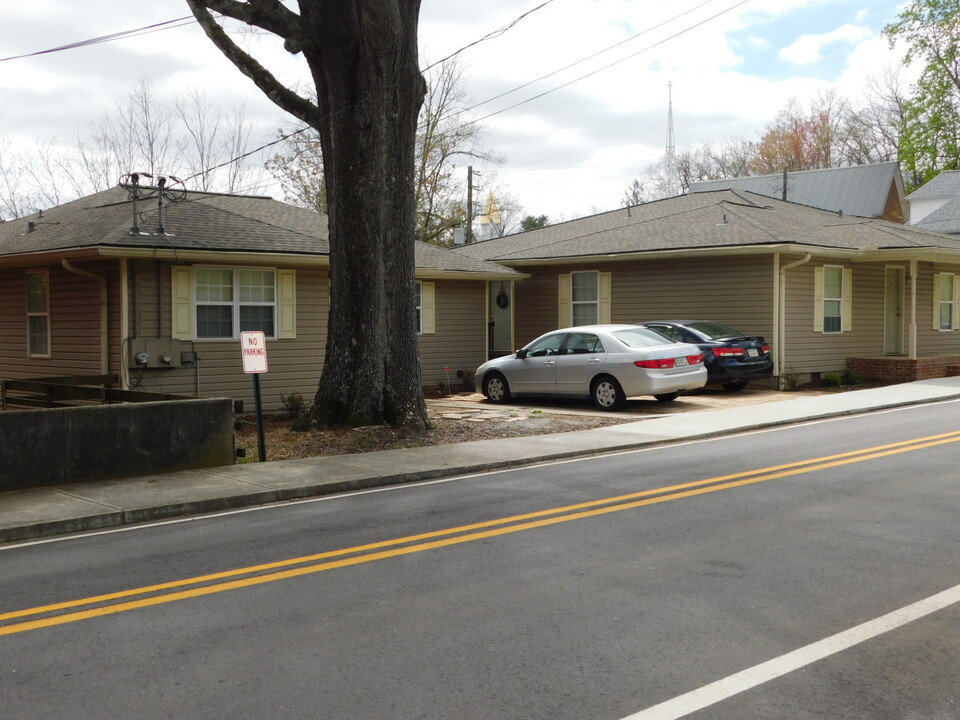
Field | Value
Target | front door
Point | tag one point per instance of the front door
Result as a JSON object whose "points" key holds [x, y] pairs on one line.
{"points": [[501, 319], [893, 311]]}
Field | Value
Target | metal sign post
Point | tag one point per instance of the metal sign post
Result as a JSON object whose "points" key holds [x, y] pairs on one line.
{"points": [[253, 347]]}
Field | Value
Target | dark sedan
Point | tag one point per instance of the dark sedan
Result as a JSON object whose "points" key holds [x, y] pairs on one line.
{"points": [[732, 358]]}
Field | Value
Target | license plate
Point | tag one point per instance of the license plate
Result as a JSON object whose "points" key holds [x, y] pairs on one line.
{"points": [[753, 352], [680, 362]]}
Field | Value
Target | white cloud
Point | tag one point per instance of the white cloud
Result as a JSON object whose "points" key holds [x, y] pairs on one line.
{"points": [[808, 49]]}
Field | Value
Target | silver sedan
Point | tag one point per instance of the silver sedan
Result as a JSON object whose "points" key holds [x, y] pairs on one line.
{"points": [[607, 363]]}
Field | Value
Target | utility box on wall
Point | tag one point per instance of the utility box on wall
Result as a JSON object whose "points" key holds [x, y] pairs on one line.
{"points": [[154, 353]]}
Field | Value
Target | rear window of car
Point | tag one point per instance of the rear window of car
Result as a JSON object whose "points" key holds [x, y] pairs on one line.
{"points": [[713, 330], [641, 337]]}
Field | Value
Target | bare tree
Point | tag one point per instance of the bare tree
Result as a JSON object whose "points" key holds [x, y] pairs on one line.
{"points": [[445, 140], [874, 128], [188, 137], [362, 57]]}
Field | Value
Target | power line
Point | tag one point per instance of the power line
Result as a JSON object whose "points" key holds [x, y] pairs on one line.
{"points": [[606, 67], [588, 57], [146, 29]]}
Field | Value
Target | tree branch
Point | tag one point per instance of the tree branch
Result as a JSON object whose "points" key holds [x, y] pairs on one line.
{"points": [[278, 93]]}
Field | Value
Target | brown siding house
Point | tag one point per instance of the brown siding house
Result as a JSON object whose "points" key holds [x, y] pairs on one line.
{"points": [[827, 289], [95, 287]]}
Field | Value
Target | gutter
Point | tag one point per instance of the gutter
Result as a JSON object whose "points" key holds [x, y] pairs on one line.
{"points": [[104, 313]]}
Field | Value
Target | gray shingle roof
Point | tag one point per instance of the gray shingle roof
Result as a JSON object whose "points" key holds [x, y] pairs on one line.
{"points": [[945, 219], [946, 184], [202, 221], [860, 190], [709, 221]]}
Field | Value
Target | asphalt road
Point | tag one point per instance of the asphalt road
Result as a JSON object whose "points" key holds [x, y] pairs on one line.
{"points": [[743, 577]]}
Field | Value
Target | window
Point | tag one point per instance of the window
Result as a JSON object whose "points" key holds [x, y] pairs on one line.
{"points": [[945, 305], [419, 303], [583, 343], [38, 314], [215, 303], [231, 301], [832, 299], [584, 298], [546, 346]]}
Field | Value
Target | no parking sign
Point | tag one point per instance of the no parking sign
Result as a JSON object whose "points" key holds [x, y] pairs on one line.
{"points": [[253, 345]]}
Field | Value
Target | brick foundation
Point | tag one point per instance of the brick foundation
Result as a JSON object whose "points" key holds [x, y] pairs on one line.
{"points": [[900, 369]]}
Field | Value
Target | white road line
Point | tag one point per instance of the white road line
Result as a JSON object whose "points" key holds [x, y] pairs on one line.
{"points": [[713, 693]]}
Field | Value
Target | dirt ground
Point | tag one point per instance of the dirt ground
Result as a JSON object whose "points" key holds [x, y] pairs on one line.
{"points": [[450, 425], [468, 416]]}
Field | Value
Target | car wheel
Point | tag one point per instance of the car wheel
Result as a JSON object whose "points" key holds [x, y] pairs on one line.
{"points": [[607, 394], [735, 385], [667, 397], [495, 388]]}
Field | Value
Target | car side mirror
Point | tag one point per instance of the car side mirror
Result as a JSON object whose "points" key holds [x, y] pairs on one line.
{"points": [[521, 354]]}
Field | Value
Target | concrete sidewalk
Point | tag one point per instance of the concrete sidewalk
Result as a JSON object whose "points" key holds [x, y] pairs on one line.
{"points": [[42, 512]]}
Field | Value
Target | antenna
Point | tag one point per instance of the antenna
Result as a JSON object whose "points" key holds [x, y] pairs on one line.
{"points": [[670, 156]]}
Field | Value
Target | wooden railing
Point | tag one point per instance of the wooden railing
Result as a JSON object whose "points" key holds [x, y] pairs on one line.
{"points": [[70, 391]]}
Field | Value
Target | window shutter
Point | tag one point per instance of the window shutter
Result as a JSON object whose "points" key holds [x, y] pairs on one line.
{"points": [[286, 304], [181, 301], [563, 301], [606, 290], [428, 308], [956, 304], [846, 321], [818, 299], [935, 319]]}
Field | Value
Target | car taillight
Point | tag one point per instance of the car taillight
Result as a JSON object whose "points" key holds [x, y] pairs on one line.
{"points": [[728, 352], [661, 364], [766, 348], [695, 359]]}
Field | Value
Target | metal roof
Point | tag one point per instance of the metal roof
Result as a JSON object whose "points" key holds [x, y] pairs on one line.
{"points": [[860, 190]]}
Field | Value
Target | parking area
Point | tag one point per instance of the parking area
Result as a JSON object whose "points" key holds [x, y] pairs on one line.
{"points": [[709, 398]]}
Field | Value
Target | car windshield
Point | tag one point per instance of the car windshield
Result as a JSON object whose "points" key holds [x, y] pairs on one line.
{"points": [[641, 337], [713, 330]]}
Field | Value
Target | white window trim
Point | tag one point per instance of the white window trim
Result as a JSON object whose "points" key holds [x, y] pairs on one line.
{"points": [[846, 302], [184, 303], [46, 313], [565, 297], [954, 302]]}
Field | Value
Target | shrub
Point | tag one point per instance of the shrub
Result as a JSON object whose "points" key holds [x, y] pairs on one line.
{"points": [[293, 404], [831, 380], [852, 377]]}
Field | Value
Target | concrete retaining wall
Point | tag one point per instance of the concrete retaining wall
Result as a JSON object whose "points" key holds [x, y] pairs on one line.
{"points": [[41, 448]]}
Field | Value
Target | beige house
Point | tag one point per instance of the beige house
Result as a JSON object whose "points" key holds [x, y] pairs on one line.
{"points": [[158, 293], [828, 290]]}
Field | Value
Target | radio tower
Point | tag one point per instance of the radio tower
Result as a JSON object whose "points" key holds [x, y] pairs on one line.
{"points": [[671, 184]]}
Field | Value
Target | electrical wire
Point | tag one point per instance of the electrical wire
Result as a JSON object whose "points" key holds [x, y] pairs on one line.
{"points": [[145, 30], [180, 22]]}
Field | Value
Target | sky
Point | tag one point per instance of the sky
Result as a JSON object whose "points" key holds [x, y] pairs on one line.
{"points": [[586, 81]]}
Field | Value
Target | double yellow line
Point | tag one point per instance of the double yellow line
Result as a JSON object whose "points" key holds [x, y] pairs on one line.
{"points": [[122, 601]]}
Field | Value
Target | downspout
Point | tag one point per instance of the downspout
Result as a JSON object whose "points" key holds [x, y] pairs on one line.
{"points": [[104, 313], [913, 310], [781, 327]]}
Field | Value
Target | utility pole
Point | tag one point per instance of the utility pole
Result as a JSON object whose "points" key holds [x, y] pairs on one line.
{"points": [[469, 238]]}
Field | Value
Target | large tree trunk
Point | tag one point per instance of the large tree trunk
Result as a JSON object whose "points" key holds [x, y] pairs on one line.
{"points": [[363, 56]]}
